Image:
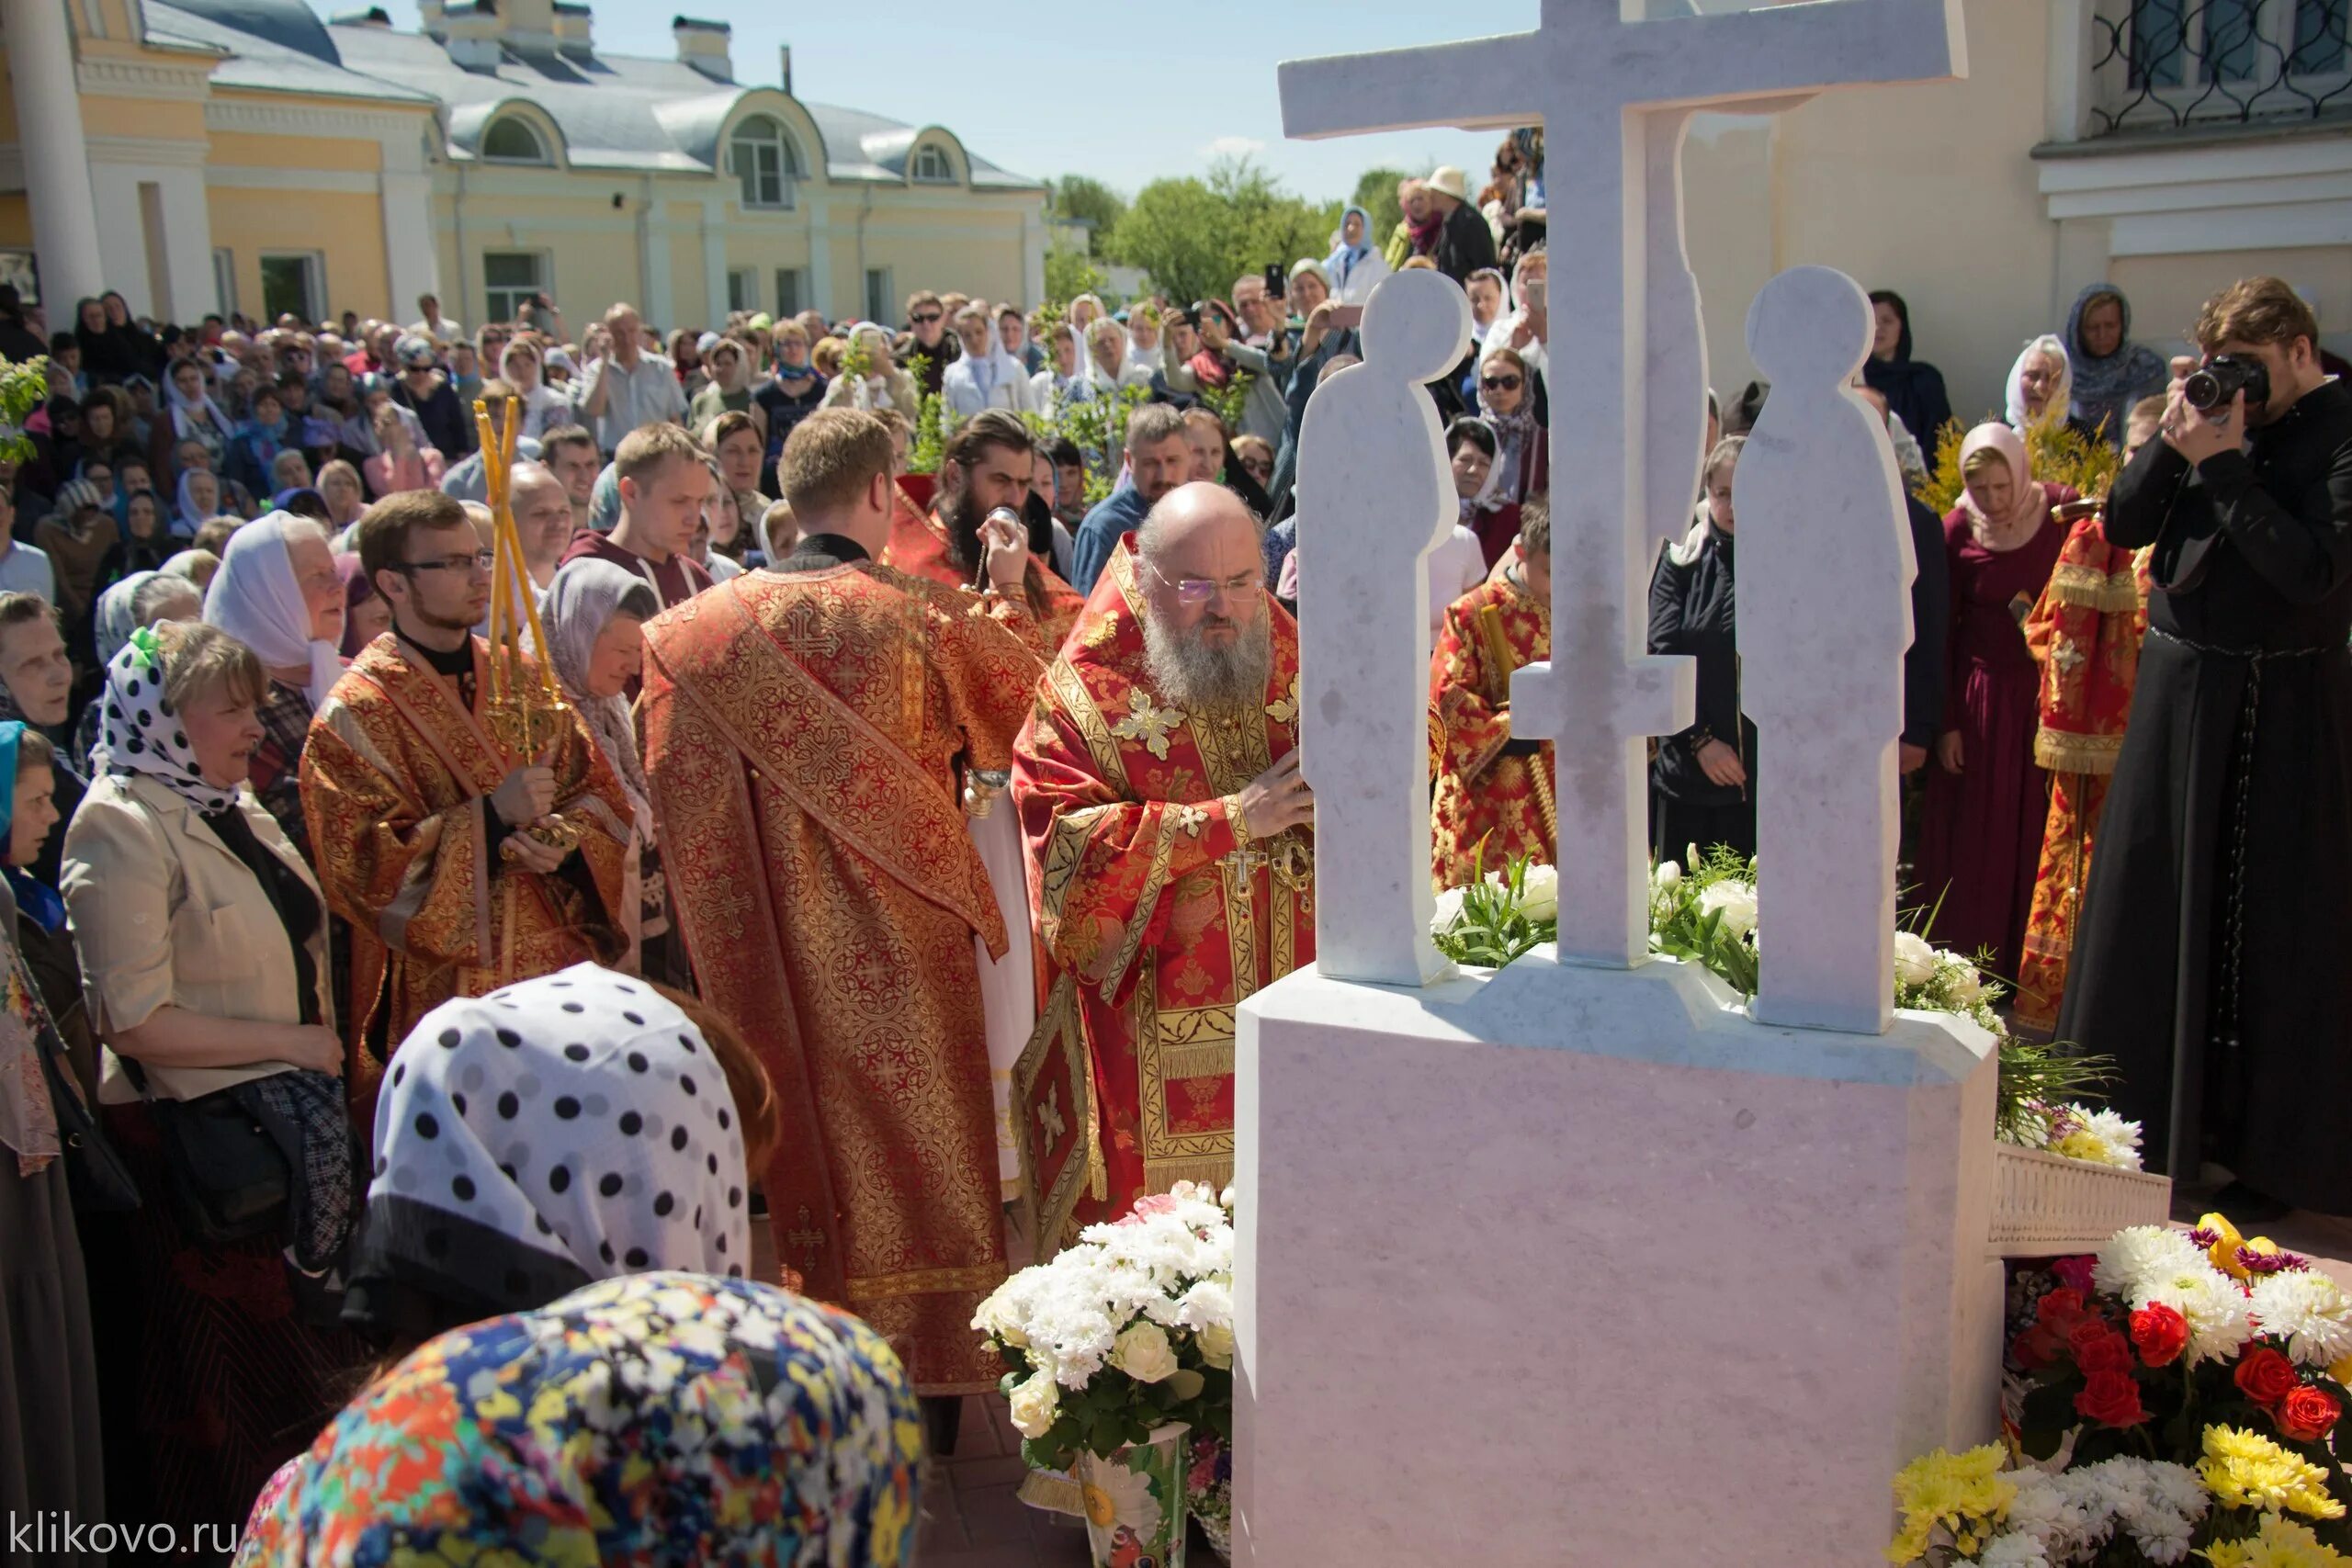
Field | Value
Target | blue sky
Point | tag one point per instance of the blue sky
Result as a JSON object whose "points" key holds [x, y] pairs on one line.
{"points": [[1049, 87]]}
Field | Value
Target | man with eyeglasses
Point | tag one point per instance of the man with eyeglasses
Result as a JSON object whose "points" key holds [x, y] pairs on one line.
{"points": [[461, 865], [1170, 842], [927, 319]]}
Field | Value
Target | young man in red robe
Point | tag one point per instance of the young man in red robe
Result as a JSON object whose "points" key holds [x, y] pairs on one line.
{"points": [[1494, 793], [810, 732], [987, 465], [1171, 860]]}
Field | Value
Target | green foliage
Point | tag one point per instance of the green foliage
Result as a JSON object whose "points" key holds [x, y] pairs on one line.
{"points": [[1377, 193], [929, 441], [1097, 426], [23, 386], [2059, 455], [1684, 926], [1196, 236], [1070, 273], [1230, 400], [1493, 928], [2038, 1074], [1089, 200]]}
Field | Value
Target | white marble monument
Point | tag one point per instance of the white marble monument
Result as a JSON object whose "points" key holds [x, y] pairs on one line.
{"points": [[1580, 1262]]}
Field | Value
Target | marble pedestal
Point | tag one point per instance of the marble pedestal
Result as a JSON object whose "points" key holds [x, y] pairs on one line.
{"points": [[1566, 1265]]}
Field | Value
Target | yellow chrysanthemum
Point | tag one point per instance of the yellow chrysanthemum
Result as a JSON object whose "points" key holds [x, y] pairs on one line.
{"points": [[1964, 1493], [2223, 1252], [2245, 1469], [2283, 1543]]}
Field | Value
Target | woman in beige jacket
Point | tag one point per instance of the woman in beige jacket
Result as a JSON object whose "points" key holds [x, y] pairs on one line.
{"points": [[202, 942]]}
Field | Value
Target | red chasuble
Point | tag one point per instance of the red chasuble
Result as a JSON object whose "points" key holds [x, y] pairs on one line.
{"points": [[1157, 914], [918, 546], [1488, 807]]}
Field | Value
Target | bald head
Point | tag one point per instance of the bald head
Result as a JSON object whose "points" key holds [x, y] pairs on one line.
{"points": [[542, 516], [1204, 600]]}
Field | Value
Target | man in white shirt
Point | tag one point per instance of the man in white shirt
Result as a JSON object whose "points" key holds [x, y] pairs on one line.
{"points": [[629, 387], [23, 567], [431, 323]]}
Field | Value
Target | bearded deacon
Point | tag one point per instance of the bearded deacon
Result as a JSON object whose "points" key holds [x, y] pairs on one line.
{"points": [[1172, 856], [810, 734], [987, 466]]}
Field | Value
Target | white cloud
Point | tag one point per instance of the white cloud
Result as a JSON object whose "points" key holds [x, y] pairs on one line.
{"points": [[1234, 147]]}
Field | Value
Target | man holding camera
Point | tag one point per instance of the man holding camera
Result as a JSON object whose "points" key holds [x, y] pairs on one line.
{"points": [[2210, 964]]}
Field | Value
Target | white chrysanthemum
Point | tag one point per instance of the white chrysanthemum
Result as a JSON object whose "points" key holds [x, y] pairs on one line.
{"points": [[2219, 1320], [1207, 1304], [2015, 1549], [2144, 1252], [2309, 1311], [1735, 900], [2097, 1137]]}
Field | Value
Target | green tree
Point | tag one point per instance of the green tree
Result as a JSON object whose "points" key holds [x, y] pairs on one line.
{"points": [[1070, 273], [1082, 198], [1196, 236], [1377, 193]]}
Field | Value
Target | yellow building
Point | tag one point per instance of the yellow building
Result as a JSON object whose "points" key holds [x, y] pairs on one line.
{"points": [[243, 155]]}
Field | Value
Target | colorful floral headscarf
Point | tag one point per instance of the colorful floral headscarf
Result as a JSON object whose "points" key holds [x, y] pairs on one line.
{"points": [[662, 1419]]}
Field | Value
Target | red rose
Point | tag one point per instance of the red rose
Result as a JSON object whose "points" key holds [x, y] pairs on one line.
{"points": [[2097, 1348], [2307, 1413], [2161, 1334], [2266, 1377], [2059, 1309], [2111, 1399]]}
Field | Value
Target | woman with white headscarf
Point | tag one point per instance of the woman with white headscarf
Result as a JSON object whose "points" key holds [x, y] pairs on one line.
{"points": [[882, 385], [2042, 389], [190, 414], [1526, 328], [594, 614], [1355, 265], [197, 501], [279, 592]]}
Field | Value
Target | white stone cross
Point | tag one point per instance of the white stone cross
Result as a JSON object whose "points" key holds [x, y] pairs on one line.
{"points": [[1600, 85]]}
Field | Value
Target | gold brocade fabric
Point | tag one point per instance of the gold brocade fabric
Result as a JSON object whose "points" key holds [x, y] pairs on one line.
{"points": [[396, 780], [1161, 916], [1486, 809], [806, 736]]}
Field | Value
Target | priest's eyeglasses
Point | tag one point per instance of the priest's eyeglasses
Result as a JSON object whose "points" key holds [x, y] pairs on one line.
{"points": [[480, 560], [1201, 590]]}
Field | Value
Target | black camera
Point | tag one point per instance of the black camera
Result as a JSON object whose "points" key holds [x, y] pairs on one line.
{"points": [[2212, 384]]}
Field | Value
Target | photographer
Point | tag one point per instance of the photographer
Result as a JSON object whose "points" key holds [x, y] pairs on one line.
{"points": [[2210, 964]]}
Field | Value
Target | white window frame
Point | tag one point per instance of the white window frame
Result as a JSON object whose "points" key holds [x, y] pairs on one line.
{"points": [[882, 303], [224, 280], [542, 158], [313, 264], [742, 288], [791, 291], [931, 165], [765, 162], [491, 291], [2272, 93]]}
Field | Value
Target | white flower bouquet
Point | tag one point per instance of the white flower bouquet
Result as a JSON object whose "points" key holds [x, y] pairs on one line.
{"points": [[1125, 1332]]}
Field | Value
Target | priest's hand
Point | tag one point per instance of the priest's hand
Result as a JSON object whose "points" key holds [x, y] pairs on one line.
{"points": [[1276, 799], [1006, 546], [527, 795], [534, 854], [1721, 763]]}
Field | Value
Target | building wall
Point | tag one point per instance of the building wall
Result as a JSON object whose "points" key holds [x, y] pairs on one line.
{"points": [[343, 228]]}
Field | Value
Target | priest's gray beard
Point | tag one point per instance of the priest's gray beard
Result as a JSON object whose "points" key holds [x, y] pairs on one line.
{"points": [[1192, 674]]}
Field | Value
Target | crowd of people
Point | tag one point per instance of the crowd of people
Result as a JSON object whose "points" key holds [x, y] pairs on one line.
{"points": [[358, 1017]]}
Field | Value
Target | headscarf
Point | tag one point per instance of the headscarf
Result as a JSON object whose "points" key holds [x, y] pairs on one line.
{"points": [[1209, 367], [2105, 389], [2061, 396], [1344, 257], [2028, 507], [605, 500], [1490, 497], [873, 390], [565, 1128], [199, 566], [1514, 433], [27, 1114], [184, 522], [661, 1418], [582, 601], [138, 732], [357, 591], [112, 623], [190, 415], [255, 599]]}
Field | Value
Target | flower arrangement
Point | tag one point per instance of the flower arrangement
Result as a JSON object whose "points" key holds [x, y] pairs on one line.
{"points": [[1127, 1331], [2059, 455], [2176, 1394], [1707, 916]]}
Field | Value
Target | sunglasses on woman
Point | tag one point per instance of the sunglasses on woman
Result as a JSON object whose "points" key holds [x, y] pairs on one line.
{"points": [[1499, 383]]}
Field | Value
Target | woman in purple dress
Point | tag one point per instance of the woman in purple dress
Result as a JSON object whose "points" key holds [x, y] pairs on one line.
{"points": [[1986, 800]]}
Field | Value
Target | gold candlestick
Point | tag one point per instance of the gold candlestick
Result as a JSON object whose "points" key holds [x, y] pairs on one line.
{"points": [[527, 714]]}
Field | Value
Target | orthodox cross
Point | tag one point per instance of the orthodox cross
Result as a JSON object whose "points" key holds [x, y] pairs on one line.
{"points": [[1612, 97]]}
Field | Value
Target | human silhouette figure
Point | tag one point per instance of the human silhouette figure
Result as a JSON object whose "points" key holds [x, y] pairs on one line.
{"points": [[1824, 617], [1374, 495]]}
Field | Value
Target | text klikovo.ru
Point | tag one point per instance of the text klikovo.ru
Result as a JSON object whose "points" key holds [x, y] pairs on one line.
{"points": [[47, 1536]]}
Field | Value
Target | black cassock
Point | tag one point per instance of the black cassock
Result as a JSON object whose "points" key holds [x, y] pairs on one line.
{"points": [[2212, 959]]}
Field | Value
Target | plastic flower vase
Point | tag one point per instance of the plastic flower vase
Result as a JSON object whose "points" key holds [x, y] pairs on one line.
{"points": [[1135, 1501]]}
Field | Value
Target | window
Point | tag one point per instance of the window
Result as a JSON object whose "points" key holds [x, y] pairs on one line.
{"points": [[744, 289], [932, 166], [295, 283], [791, 291], [224, 280], [514, 140], [510, 277], [764, 163], [881, 299], [2171, 62]]}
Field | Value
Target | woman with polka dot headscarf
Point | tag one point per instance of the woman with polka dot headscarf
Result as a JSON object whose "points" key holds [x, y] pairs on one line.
{"points": [[564, 1130]]}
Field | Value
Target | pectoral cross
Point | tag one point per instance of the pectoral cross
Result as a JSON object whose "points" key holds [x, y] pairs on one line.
{"points": [[805, 1239], [1626, 378]]}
